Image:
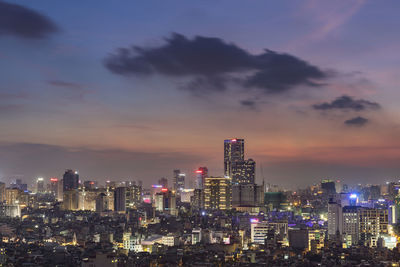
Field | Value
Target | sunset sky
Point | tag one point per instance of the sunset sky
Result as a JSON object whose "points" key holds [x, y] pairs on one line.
{"points": [[128, 90]]}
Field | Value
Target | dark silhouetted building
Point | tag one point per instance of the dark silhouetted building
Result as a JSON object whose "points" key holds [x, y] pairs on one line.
{"points": [[120, 199], [70, 180], [250, 195]]}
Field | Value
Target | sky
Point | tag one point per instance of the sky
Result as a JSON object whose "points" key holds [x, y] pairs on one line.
{"points": [[134, 89]]}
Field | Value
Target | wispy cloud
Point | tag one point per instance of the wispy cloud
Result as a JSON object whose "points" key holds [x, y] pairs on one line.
{"points": [[328, 16]]}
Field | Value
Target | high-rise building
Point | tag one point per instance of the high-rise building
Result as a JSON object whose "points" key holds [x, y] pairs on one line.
{"points": [[233, 152], [2, 192], [165, 201], [217, 193], [40, 185], [328, 187], [120, 199], [335, 218], [101, 202], [259, 231], [90, 185], [70, 180], [250, 195], [350, 225], [201, 174], [179, 180], [133, 195], [394, 211], [198, 199], [55, 188], [372, 223], [243, 172], [12, 196], [71, 200]]}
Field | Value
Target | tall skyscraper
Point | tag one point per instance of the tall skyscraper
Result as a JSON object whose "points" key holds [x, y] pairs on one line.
{"points": [[70, 180], [350, 225], [243, 172], [40, 185], [101, 202], [201, 174], [217, 193], [179, 180], [233, 152], [55, 188], [120, 199], [335, 219]]}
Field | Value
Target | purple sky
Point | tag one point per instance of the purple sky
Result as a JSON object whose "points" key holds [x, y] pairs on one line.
{"points": [[132, 90]]}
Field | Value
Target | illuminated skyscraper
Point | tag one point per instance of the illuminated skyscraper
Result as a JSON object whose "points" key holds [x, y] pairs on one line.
{"points": [[179, 180], [233, 152], [372, 223], [217, 193], [243, 172], [350, 225], [70, 180]]}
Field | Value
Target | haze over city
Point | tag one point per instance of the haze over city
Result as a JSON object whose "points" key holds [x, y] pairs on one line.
{"points": [[137, 89]]}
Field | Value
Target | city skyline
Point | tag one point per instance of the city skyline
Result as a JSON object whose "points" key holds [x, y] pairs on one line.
{"points": [[311, 86]]}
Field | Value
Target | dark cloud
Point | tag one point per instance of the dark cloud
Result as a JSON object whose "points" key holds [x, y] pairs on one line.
{"points": [[347, 103], [205, 84], [211, 61], [357, 121], [24, 22], [59, 83], [250, 104]]}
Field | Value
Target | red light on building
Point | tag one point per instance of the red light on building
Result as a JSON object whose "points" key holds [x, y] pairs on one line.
{"points": [[199, 171], [91, 182], [164, 189], [53, 179]]}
